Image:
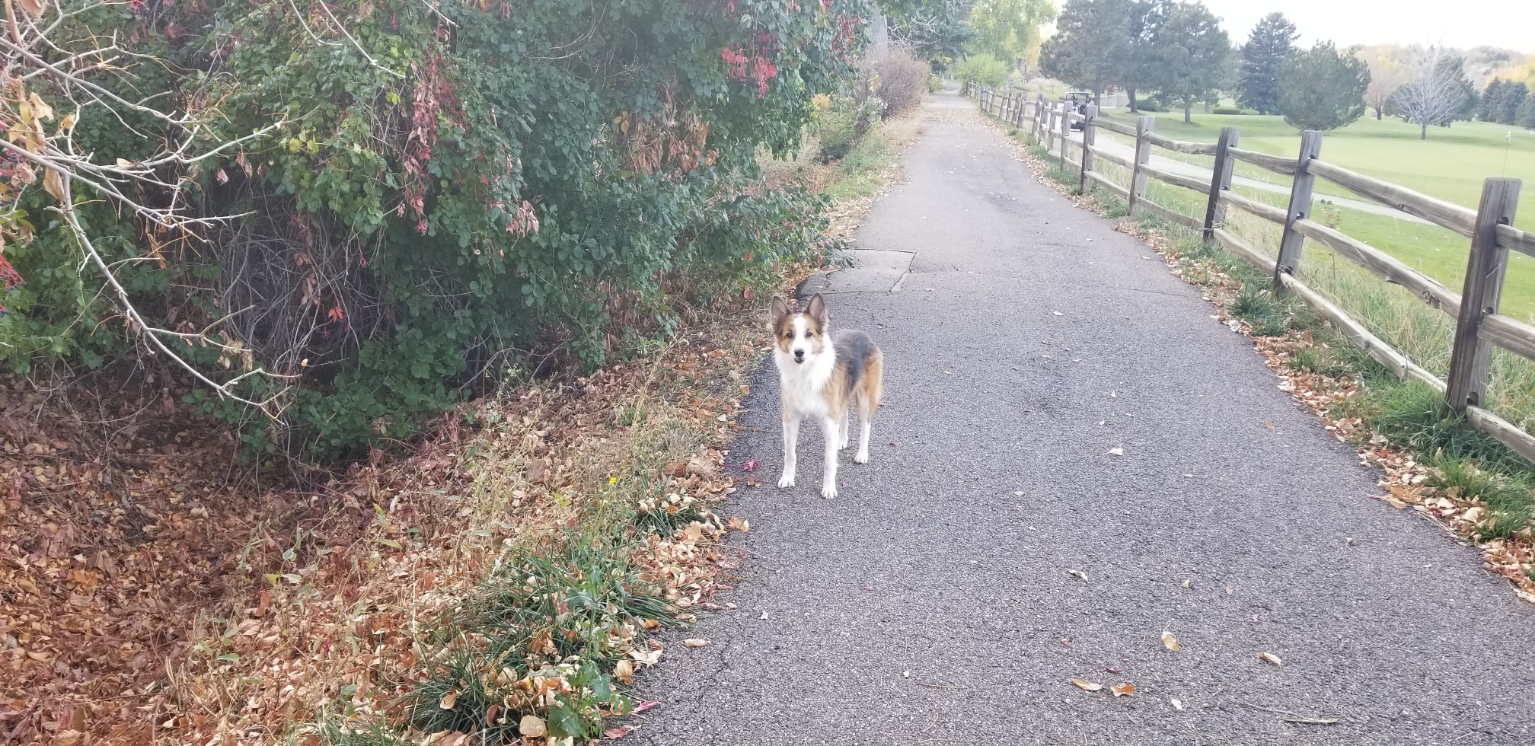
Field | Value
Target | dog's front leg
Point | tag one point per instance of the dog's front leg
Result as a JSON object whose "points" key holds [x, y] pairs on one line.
{"points": [[790, 440], [833, 445]]}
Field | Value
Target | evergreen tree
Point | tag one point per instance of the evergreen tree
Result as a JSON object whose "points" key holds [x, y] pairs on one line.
{"points": [[1092, 44], [1492, 99], [1321, 89], [1263, 57], [1189, 55], [1513, 96], [1525, 117]]}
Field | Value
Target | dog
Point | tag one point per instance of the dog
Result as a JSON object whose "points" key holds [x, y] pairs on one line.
{"points": [[821, 372]]}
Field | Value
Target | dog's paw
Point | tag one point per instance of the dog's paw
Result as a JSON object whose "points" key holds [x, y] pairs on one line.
{"points": [[861, 458], [786, 481], [829, 490]]}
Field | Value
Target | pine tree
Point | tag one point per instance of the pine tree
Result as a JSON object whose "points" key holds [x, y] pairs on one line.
{"points": [[1513, 96], [1492, 99], [1263, 56], [1526, 115], [1091, 44], [1189, 55], [1322, 89]]}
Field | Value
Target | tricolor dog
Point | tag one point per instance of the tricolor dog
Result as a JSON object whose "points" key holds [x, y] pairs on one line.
{"points": [[820, 373]]}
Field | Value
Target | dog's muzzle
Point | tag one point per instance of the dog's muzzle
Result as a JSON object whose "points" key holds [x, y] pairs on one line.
{"points": [[799, 356]]}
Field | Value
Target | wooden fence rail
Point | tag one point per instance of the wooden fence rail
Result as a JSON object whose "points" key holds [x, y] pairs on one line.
{"points": [[1478, 325]]}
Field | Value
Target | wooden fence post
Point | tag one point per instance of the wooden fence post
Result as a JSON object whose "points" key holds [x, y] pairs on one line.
{"points": [[1300, 206], [1039, 118], [1142, 155], [1215, 211], [1050, 132], [1065, 134], [1469, 355], [1089, 132]]}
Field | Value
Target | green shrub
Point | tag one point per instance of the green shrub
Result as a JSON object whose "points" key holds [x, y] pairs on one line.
{"points": [[446, 195], [1227, 110], [981, 69]]}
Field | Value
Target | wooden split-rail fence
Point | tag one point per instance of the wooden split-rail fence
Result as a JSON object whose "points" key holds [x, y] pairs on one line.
{"points": [[1478, 325]]}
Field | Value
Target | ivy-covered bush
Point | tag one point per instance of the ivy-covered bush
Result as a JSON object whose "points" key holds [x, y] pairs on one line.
{"points": [[455, 187]]}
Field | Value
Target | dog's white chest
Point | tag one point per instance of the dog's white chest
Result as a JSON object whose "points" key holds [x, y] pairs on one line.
{"points": [[802, 386]]}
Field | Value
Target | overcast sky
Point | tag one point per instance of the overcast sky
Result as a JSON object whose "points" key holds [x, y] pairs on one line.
{"points": [[1461, 23]]}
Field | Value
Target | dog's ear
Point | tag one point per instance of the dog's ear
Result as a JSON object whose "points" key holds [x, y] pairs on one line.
{"points": [[780, 310], [817, 309]]}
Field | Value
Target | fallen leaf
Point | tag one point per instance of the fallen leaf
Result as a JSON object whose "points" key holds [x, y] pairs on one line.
{"points": [[752, 465], [1170, 641], [34, 8], [1086, 686], [623, 670], [1116, 451], [1112, 670], [448, 700], [1077, 574], [1122, 690], [1271, 658], [643, 706], [532, 726], [694, 642], [619, 732], [740, 525], [1186, 584]]}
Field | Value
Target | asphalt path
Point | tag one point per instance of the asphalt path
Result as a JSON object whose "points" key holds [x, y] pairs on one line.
{"points": [[1027, 345]]}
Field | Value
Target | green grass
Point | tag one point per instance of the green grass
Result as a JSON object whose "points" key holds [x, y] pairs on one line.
{"points": [[1450, 165]]}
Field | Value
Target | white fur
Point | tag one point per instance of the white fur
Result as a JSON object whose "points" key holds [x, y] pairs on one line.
{"points": [[801, 387]]}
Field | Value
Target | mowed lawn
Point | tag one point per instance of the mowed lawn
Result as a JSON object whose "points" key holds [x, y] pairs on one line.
{"points": [[1450, 165]]}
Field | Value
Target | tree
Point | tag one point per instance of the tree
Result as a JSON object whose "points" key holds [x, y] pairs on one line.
{"points": [[1271, 43], [1190, 54], [1092, 44], [1322, 89], [1140, 68], [1009, 29], [1525, 117], [1387, 73], [1492, 95], [1436, 95], [1511, 96], [936, 30]]}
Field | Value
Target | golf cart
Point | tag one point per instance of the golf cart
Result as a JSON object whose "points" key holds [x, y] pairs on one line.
{"points": [[1078, 101]]}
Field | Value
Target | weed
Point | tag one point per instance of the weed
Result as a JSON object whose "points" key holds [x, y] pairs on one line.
{"points": [[1305, 359], [1509, 498], [1261, 310]]}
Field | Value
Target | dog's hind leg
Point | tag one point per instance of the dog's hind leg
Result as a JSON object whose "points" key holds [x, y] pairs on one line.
{"points": [[867, 398], [790, 442]]}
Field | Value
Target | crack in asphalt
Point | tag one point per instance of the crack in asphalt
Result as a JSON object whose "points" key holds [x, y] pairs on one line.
{"points": [[995, 471]]}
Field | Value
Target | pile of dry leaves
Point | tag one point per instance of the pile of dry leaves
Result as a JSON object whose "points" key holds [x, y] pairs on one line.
{"points": [[150, 590]]}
